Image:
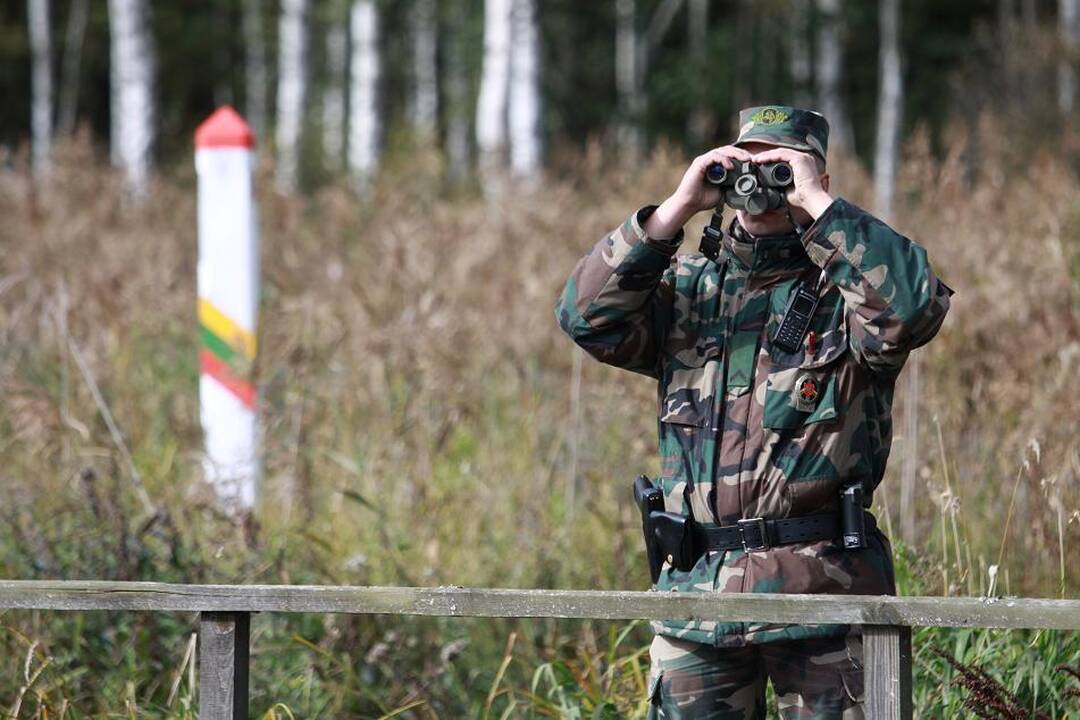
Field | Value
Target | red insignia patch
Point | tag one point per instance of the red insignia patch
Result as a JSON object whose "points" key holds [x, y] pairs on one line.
{"points": [[808, 390]]}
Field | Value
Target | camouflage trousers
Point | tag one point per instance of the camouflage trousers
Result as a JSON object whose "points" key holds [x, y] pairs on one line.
{"points": [[818, 678]]}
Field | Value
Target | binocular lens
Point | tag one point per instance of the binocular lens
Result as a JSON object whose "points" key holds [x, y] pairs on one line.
{"points": [[746, 184], [781, 174], [715, 173]]}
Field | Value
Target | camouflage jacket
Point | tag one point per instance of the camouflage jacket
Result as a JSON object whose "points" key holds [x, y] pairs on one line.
{"points": [[749, 430]]}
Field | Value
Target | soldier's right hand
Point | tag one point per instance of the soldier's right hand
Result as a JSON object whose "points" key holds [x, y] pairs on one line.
{"points": [[693, 193]]}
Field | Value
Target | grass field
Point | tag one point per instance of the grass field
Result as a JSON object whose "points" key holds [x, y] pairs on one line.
{"points": [[426, 423]]}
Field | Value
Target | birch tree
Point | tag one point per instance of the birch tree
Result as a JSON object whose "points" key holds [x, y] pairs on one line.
{"points": [[890, 106], [334, 90], [255, 75], [41, 112], [364, 71], [1069, 30], [830, 59], [291, 91], [131, 97], [424, 104], [524, 111], [628, 80], [494, 84], [68, 94]]}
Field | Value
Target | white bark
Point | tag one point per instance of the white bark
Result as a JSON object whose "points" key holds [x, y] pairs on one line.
{"points": [[890, 108], [799, 52], [424, 107], [255, 76], [131, 75], [830, 59], [41, 84], [291, 91], [333, 100], [524, 110], [494, 82], [68, 94], [628, 80], [363, 93], [1069, 29]]}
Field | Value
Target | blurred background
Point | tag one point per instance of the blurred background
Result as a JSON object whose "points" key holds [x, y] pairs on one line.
{"points": [[428, 173]]}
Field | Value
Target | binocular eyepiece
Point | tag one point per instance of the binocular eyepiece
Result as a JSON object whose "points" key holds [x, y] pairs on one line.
{"points": [[751, 187]]}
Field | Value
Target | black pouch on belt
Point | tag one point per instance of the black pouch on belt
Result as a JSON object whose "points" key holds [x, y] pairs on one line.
{"points": [[672, 534]]}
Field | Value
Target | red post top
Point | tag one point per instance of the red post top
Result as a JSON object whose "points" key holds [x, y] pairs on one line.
{"points": [[225, 128]]}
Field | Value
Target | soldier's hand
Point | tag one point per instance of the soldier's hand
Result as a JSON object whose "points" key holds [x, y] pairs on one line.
{"points": [[693, 194], [806, 191]]}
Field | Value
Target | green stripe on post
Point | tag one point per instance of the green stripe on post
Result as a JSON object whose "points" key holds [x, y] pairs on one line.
{"points": [[216, 345]]}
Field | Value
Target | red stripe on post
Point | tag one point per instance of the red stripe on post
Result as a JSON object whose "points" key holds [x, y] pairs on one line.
{"points": [[225, 128], [211, 365]]}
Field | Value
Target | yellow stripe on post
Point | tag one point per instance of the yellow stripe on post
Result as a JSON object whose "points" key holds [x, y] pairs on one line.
{"points": [[243, 341]]}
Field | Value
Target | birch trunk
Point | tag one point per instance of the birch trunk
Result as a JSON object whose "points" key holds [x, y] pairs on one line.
{"points": [[890, 108], [255, 80], [68, 95], [41, 84], [334, 89], [494, 85], [457, 101], [363, 93], [424, 108], [628, 81], [830, 59], [524, 110], [697, 26], [131, 75], [291, 91], [799, 53], [1069, 29]]}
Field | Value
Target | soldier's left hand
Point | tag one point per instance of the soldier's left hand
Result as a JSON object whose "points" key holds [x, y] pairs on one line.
{"points": [[806, 191]]}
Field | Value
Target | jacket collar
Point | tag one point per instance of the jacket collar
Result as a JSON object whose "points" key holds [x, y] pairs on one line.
{"points": [[767, 255]]}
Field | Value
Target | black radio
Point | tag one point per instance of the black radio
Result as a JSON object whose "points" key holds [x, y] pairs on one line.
{"points": [[796, 320]]}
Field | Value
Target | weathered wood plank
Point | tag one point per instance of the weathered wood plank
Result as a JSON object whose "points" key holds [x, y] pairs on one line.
{"points": [[224, 646], [887, 672], [484, 602]]}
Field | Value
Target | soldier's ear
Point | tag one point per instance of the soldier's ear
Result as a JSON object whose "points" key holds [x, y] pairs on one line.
{"points": [[825, 182]]}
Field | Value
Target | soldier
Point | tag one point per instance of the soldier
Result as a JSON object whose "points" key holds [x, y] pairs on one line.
{"points": [[759, 436]]}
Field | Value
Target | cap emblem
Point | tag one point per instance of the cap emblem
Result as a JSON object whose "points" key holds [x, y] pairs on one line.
{"points": [[770, 116]]}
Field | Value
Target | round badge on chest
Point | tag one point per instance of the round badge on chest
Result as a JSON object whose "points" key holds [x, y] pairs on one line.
{"points": [[807, 391]]}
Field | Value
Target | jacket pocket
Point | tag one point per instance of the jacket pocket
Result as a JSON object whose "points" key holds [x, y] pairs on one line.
{"points": [[801, 387], [689, 393]]}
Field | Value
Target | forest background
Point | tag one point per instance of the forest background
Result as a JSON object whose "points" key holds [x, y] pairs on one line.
{"points": [[425, 421]]}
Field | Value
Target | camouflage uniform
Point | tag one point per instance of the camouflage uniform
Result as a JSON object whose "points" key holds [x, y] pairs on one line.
{"points": [[748, 430]]}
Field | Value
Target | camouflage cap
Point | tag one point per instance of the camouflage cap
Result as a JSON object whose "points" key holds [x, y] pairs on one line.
{"points": [[785, 126]]}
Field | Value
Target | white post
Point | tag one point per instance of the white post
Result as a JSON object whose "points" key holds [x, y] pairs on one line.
{"points": [[228, 285]]}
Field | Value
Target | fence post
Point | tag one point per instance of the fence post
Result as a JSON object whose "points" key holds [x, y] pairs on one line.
{"points": [[223, 665], [887, 669]]}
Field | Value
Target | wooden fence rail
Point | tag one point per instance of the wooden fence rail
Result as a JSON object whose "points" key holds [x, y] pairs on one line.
{"points": [[225, 612]]}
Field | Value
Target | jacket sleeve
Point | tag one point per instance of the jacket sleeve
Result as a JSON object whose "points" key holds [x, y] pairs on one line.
{"points": [[617, 302], [895, 301]]}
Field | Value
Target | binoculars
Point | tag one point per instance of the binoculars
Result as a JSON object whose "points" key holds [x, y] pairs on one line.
{"points": [[751, 187]]}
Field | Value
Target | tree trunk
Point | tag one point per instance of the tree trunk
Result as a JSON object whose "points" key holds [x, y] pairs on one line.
{"points": [[363, 93], [524, 110], [424, 108], [255, 79], [494, 85], [68, 96], [41, 93], [830, 64], [1069, 29], [890, 108], [628, 81], [458, 106], [334, 89], [291, 91], [799, 53], [700, 121], [131, 94]]}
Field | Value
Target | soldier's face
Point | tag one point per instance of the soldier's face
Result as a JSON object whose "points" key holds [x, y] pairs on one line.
{"points": [[774, 222]]}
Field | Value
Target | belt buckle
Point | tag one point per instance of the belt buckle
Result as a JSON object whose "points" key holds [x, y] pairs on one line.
{"points": [[763, 533]]}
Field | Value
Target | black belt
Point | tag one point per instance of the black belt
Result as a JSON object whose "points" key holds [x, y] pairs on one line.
{"points": [[761, 534]]}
